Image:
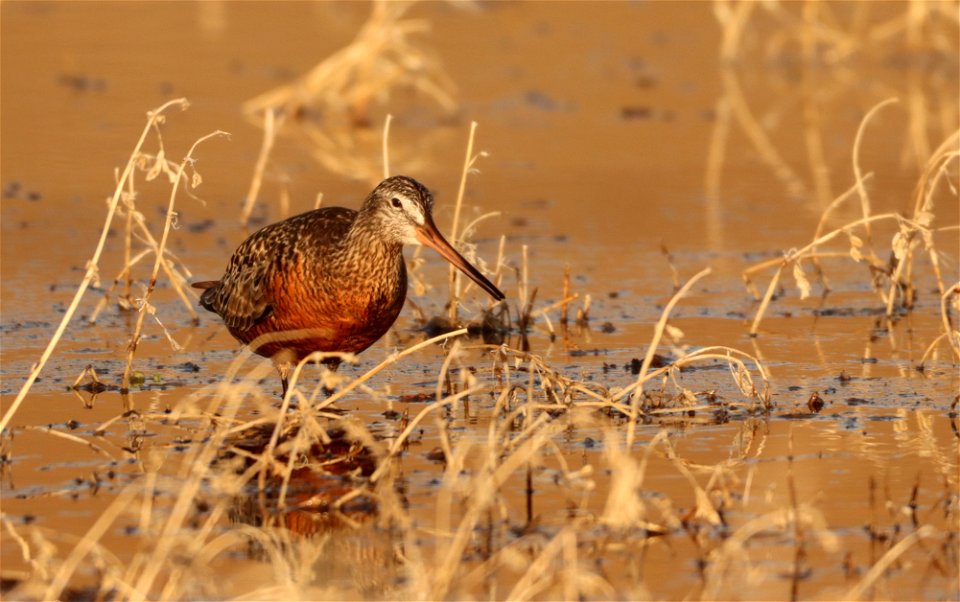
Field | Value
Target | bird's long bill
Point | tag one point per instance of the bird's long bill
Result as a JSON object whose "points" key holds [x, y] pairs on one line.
{"points": [[430, 236]]}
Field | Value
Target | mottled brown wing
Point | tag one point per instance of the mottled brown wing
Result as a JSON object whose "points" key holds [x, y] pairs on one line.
{"points": [[243, 297]]}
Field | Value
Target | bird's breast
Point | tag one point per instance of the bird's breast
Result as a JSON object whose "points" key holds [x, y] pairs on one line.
{"points": [[315, 307]]}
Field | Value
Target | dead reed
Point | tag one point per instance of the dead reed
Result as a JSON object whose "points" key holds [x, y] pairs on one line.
{"points": [[893, 280], [124, 191]]}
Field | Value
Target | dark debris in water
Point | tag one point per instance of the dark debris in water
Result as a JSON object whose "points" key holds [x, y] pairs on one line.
{"points": [[436, 455], [201, 226], [849, 312], [815, 403], [14, 190], [658, 361], [82, 83]]}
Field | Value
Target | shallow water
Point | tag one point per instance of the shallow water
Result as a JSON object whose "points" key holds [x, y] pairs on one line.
{"points": [[602, 125]]}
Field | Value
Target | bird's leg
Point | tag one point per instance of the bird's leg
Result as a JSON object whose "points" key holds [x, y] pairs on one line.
{"points": [[284, 369]]}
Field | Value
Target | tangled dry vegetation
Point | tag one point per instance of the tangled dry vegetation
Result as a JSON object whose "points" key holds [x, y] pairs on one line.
{"points": [[830, 44], [893, 278]]}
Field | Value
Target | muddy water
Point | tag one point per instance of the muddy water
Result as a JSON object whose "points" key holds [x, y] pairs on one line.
{"points": [[612, 132]]}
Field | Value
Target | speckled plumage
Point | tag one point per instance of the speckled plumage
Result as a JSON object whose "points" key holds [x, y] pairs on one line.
{"points": [[331, 279]]}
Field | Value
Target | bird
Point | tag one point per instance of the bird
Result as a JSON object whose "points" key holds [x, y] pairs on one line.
{"points": [[332, 279]]}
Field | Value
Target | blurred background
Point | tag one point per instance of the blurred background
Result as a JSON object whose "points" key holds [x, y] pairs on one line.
{"points": [[713, 127]]}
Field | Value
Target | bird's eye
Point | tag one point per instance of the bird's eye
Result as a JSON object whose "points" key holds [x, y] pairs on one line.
{"points": [[395, 202]]}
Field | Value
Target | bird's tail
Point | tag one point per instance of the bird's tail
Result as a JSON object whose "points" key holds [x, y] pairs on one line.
{"points": [[209, 288]]}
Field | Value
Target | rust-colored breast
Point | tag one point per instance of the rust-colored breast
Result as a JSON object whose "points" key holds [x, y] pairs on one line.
{"points": [[318, 281], [314, 308]]}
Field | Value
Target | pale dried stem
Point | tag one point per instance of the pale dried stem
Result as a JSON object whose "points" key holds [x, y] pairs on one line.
{"points": [[651, 350], [124, 275], [729, 355], [398, 443], [950, 333], [733, 25], [174, 274], [71, 438], [454, 274], [269, 135], [387, 362], [144, 303], [88, 543], [127, 244], [861, 189], [386, 146], [736, 545], [92, 264], [881, 566], [492, 477], [193, 472], [795, 255], [175, 277], [536, 578], [857, 187]]}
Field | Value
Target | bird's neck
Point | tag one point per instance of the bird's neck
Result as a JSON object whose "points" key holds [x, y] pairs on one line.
{"points": [[367, 249]]}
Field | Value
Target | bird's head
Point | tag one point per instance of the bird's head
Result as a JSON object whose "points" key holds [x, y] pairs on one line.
{"points": [[403, 210]]}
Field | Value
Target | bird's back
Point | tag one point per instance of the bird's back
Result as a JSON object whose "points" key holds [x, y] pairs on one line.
{"points": [[244, 295]]}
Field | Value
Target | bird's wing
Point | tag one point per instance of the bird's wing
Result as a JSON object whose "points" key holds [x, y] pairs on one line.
{"points": [[244, 296]]}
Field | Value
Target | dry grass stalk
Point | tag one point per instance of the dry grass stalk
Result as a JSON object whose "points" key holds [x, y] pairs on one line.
{"points": [[453, 299], [950, 332], [910, 233], [145, 306], [734, 552], [651, 349], [269, 135], [386, 146], [72, 438], [935, 171], [858, 175], [175, 270], [93, 264], [880, 567]]}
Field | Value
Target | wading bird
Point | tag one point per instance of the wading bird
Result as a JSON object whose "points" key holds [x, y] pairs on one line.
{"points": [[331, 279]]}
